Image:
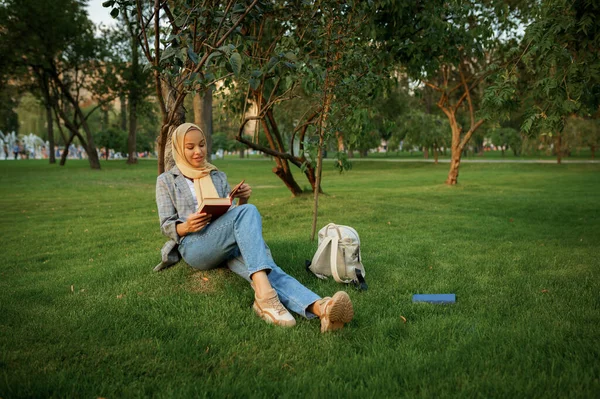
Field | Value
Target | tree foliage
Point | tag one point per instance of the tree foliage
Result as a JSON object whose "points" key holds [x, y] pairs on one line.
{"points": [[559, 58]]}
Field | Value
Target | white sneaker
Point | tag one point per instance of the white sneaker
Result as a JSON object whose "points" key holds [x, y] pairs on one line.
{"points": [[271, 310]]}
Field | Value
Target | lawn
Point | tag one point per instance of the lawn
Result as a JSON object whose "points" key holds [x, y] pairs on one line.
{"points": [[82, 314]]}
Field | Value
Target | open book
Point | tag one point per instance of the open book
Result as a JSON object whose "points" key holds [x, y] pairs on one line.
{"points": [[218, 206]]}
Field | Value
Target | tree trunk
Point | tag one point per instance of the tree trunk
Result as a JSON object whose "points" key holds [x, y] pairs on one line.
{"points": [[90, 148], [558, 149], [321, 129], [340, 141], [203, 117], [49, 119], [435, 155], [132, 136], [51, 144], [123, 115], [134, 98], [426, 152], [177, 116], [65, 153], [456, 151], [104, 118], [282, 170]]}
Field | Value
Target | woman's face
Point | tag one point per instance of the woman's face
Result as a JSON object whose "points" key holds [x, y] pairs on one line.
{"points": [[195, 148]]}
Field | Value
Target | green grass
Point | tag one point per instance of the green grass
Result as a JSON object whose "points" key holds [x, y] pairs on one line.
{"points": [[83, 315]]}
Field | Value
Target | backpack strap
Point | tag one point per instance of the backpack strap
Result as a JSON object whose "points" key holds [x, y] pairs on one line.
{"points": [[333, 261], [360, 282]]}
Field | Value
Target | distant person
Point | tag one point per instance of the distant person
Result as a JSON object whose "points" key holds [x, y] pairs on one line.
{"points": [[16, 150], [235, 238]]}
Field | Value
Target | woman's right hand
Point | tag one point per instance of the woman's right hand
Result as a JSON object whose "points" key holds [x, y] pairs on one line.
{"points": [[194, 223]]}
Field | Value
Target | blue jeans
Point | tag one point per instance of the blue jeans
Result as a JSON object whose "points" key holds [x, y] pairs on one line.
{"points": [[236, 238]]}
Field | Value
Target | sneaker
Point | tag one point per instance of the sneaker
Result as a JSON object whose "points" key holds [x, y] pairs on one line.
{"points": [[335, 311], [272, 311]]}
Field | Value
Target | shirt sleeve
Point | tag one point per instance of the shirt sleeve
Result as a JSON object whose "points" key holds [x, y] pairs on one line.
{"points": [[167, 213]]}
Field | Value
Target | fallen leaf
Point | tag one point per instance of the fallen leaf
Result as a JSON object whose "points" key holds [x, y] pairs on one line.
{"points": [[544, 291], [403, 318], [511, 220], [120, 296], [204, 278], [85, 231], [389, 222], [72, 288]]}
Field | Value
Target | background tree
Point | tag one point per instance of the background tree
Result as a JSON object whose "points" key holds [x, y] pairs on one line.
{"points": [[55, 50], [560, 54], [507, 137], [448, 45], [426, 131]]}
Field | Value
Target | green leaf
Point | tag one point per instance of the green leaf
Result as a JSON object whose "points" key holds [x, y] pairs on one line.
{"points": [[271, 64], [236, 63], [254, 83], [168, 53], [213, 55], [291, 56], [114, 12], [108, 3], [192, 56]]}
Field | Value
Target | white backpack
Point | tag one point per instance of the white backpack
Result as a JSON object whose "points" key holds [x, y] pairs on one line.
{"points": [[338, 255]]}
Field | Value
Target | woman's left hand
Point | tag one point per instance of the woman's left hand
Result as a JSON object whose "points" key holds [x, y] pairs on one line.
{"points": [[244, 192]]}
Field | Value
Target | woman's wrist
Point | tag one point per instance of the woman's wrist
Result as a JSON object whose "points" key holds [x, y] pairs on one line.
{"points": [[182, 229]]}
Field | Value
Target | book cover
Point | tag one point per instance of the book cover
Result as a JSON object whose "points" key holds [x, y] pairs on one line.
{"points": [[218, 206], [435, 298]]}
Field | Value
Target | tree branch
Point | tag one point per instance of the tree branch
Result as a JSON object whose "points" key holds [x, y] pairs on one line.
{"points": [[236, 24], [468, 135], [145, 44], [261, 148], [468, 96]]}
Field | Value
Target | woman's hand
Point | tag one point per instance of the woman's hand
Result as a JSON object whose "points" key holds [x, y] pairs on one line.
{"points": [[194, 223], [243, 193]]}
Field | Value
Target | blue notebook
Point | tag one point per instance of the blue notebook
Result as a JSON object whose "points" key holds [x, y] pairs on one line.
{"points": [[435, 298]]}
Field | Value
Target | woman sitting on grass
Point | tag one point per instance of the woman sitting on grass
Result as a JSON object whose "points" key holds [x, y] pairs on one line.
{"points": [[235, 238]]}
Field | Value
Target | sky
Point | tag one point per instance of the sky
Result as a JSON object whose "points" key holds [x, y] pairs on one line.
{"points": [[99, 14]]}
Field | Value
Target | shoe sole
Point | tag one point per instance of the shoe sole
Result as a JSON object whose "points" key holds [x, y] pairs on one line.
{"points": [[340, 311]]}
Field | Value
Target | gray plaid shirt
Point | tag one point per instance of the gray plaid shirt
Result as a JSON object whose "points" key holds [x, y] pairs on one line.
{"points": [[175, 204]]}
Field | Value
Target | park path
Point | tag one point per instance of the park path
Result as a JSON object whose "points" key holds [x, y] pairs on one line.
{"points": [[463, 160]]}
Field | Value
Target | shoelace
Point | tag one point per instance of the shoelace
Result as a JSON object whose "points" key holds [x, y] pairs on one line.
{"points": [[276, 304]]}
